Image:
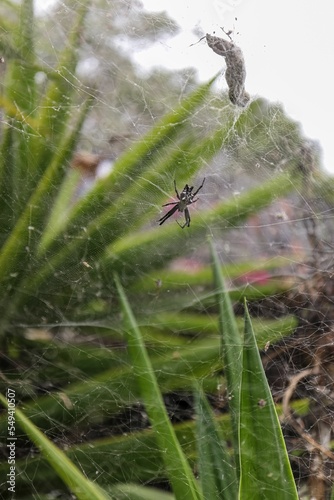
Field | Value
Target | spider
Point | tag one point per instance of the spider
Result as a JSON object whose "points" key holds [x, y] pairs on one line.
{"points": [[185, 198]]}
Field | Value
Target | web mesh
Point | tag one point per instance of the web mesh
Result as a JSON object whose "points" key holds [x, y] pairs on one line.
{"points": [[64, 351]]}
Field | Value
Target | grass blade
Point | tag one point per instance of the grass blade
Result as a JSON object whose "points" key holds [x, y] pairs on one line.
{"points": [[179, 471], [70, 474], [58, 96], [231, 344], [216, 469], [138, 492], [13, 253], [265, 470]]}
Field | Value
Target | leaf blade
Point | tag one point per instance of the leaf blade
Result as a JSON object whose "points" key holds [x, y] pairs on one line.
{"points": [[265, 470], [231, 344], [216, 469], [180, 474], [70, 474]]}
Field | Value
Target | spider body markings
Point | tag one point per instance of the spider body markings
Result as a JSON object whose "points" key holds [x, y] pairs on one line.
{"points": [[185, 198]]}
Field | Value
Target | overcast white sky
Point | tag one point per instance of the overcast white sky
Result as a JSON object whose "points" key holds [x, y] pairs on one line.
{"points": [[288, 47]]}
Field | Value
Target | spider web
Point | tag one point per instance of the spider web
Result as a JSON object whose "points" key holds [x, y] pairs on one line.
{"points": [[287, 246]]}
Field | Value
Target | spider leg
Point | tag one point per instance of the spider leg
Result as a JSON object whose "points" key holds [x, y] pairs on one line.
{"points": [[172, 203], [176, 191], [182, 226], [187, 216], [195, 193], [168, 214]]}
